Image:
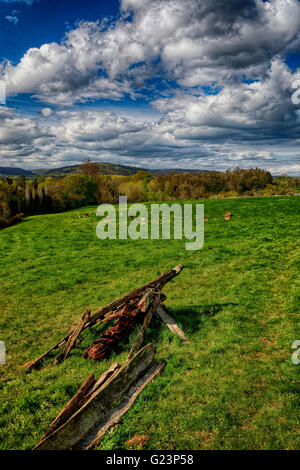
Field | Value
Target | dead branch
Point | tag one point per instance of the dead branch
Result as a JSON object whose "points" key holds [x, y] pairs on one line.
{"points": [[34, 364], [170, 322], [73, 337], [115, 415], [103, 378], [158, 282], [149, 304]]}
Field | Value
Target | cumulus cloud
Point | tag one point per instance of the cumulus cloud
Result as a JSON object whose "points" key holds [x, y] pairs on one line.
{"points": [[46, 112], [73, 135], [215, 71], [17, 137], [15, 129], [259, 111], [195, 42]]}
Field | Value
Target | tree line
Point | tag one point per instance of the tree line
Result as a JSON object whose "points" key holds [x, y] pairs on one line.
{"points": [[41, 195]]}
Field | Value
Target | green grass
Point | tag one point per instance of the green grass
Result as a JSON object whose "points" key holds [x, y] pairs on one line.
{"points": [[233, 387]]}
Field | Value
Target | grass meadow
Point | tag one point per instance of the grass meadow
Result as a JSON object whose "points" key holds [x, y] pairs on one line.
{"points": [[233, 386]]}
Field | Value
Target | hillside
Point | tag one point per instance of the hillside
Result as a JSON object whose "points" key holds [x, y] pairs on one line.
{"points": [[233, 386], [14, 171], [104, 168]]}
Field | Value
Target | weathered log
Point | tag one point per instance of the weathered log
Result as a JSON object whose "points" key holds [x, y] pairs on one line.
{"points": [[115, 415], [73, 405], [145, 302], [110, 316], [103, 378], [158, 282], [34, 364], [73, 337], [128, 317], [109, 310], [170, 322], [103, 346], [97, 406], [148, 303], [81, 396]]}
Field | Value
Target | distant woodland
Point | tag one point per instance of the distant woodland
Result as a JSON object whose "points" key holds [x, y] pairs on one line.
{"points": [[21, 197]]}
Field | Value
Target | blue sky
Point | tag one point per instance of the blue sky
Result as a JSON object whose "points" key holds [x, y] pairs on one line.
{"points": [[45, 21], [153, 83]]}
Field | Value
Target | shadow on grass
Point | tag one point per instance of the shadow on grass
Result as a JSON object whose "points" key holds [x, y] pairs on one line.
{"points": [[190, 317], [17, 222]]}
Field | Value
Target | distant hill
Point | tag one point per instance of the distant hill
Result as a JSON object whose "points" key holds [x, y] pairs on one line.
{"points": [[111, 169], [104, 168], [14, 171]]}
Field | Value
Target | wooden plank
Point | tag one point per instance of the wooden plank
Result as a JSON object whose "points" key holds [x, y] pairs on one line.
{"points": [[148, 302], [73, 337], [170, 322], [97, 406], [103, 378], [36, 362], [115, 415], [81, 396], [159, 281], [73, 405]]}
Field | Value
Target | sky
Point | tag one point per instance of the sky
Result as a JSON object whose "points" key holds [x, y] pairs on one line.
{"points": [[189, 84]]}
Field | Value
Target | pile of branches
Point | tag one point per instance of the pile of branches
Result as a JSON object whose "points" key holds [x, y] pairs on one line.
{"points": [[100, 404], [136, 307]]}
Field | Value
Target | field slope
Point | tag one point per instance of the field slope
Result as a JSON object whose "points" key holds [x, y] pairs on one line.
{"points": [[233, 387]]}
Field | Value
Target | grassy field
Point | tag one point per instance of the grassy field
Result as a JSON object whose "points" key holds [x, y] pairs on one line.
{"points": [[233, 387]]}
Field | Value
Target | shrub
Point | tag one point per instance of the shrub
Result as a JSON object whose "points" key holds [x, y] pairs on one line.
{"points": [[14, 219]]}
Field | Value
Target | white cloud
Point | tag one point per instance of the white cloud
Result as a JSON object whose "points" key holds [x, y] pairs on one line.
{"points": [[196, 43], [71, 136], [46, 112], [193, 43], [15, 129], [258, 111], [13, 17]]}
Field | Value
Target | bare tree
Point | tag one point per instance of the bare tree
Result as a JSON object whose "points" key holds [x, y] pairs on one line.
{"points": [[89, 168]]}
